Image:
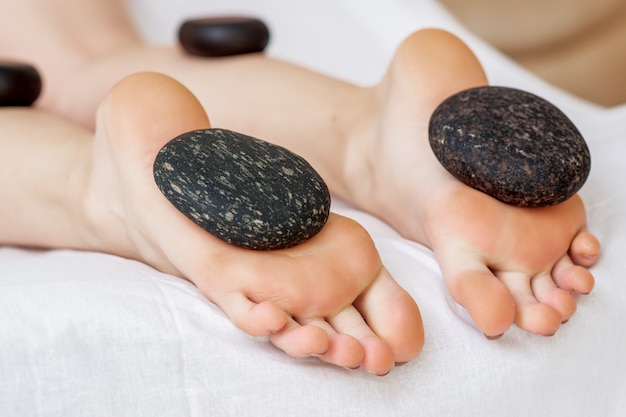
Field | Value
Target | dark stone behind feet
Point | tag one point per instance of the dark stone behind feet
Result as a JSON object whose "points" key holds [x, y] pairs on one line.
{"points": [[223, 36], [510, 144], [246, 191], [20, 84]]}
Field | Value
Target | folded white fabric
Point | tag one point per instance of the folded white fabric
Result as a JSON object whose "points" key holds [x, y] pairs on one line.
{"points": [[93, 334]]}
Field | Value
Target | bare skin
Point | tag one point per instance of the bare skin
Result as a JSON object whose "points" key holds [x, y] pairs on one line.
{"points": [[370, 145]]}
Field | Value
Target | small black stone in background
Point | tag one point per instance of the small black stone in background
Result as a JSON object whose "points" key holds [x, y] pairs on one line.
{"points": [[248, 192], [510, 144], [20, 84], [223, 36]]}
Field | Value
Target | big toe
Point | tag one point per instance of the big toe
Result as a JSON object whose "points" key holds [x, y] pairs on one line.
{"points": [[393, 316], [487, 300]]}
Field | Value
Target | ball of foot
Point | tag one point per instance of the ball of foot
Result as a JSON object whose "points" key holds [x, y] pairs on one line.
{"points": [[510, 144], [245, 191]]}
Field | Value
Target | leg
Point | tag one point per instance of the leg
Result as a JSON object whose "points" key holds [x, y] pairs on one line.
{"points": [[69, 190]]}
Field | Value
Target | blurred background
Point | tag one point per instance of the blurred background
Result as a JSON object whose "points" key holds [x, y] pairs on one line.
{"points": [[578, 45]]}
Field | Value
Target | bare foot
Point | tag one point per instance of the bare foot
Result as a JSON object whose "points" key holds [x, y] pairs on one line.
{"points": [[370, 145], [502, 263], [330, 296]]}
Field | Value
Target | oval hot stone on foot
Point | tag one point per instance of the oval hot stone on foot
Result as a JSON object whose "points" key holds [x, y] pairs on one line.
{"points": [[510, 144], [246, 191]]}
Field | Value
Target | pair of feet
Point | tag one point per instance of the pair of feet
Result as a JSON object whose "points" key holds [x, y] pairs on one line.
{"points": [[331, 296]]}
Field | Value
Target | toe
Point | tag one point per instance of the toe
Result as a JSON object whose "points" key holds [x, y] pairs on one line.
{"points": [[377, 356], [530, 314], [573, 278], [299, 341], [256, 319], [392, 314], [547, 292], [585, 249], [485, 298], [343, 348]]}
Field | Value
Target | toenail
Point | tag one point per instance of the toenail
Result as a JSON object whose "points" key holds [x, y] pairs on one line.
{"points": [[352, 368], [548, 334], [493, 337], [564, 321], [380, 375]]}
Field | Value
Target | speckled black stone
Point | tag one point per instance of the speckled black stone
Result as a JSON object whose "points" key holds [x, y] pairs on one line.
{"points": [[510, 144], [20, 84], [246, 191]]}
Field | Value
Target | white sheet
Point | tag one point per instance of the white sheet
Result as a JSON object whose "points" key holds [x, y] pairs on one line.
{"points": [[93, 334]]}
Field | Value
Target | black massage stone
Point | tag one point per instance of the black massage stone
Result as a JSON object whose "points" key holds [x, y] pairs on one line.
{"points": [[20, 84], [247, 192], [510, 144], [223, 36]]}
